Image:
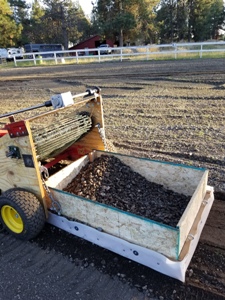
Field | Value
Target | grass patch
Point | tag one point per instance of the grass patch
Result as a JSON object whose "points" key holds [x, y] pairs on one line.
{"points": [[130, 54]]}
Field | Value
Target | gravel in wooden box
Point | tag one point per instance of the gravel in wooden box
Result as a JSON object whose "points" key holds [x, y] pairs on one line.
{"points": [[149, 203]]}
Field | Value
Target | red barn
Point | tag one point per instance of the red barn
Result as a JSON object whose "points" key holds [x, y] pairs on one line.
{"points": [[93, 42]]}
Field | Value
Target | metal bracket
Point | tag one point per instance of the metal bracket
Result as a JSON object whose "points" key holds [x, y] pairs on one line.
{"points": [[13, 152], [28, 161], [55, 205], [17, 129], [62, 100]]}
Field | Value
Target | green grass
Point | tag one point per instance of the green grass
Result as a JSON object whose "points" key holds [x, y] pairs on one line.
{"points": [[140, 56]]}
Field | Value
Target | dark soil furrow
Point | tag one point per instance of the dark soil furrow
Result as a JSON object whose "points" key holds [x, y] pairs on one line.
{"points": [[164, 110]]}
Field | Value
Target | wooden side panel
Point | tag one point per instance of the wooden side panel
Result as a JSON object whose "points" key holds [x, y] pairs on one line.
{"points": [[137, 230], [199, 221], [179, 178], [147, 233], [192, 209], [13, 171], [61, 179]]}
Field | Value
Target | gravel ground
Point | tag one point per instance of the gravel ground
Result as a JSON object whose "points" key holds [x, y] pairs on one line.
{"points": [[172, 111]]}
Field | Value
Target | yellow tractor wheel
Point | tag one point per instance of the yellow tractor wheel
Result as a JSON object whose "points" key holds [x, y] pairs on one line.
{"points": [[21, 213], [12, 219]]}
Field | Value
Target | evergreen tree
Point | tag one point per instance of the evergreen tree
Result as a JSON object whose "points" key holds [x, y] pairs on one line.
{"points": [[9, 29], [166, 19], [181, 22], [196, 20], [125, 19], [145, 30], [34, 31], [55, 21], [216, 18], [64, 21], [19, 8]]}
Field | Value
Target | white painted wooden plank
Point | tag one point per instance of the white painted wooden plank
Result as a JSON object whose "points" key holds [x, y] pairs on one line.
{"points": [[61, 179]]}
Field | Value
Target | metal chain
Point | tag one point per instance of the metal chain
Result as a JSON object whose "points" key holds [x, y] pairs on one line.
{"points": [[55, 205], [102, 135], [44, 175]]}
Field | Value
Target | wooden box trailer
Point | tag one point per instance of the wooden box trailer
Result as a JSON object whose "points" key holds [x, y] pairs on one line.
{"points": [[141, 238], [30, 150]]}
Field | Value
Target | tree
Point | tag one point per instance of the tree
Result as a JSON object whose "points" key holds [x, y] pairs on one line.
{"points": [[166, 18], [113, 19], [124, 19], [205, 18], [64, 21], [19, 8], [189, 19], [147, 29], [56, 21], [181, 20], [216, 18], [34, 29], [9, 30]]}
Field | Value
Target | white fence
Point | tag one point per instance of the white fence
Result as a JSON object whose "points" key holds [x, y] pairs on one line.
{"points": [[171, 51]]}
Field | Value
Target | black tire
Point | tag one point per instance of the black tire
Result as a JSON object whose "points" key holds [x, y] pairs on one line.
{"points": [[21, 213], [1, 227]]}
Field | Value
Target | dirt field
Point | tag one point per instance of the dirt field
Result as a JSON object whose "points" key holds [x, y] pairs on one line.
{"points": [[171, 111]]}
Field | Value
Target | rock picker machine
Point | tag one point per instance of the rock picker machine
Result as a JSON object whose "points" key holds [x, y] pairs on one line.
{"points": [[41, 154]]}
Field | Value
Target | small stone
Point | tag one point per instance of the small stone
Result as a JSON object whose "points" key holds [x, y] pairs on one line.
{"points": [[144, 287], [127, 190], [137, 285], [190, 273]]}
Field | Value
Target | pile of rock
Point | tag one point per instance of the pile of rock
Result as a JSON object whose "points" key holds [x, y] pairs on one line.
{"points": [[109, 181]]}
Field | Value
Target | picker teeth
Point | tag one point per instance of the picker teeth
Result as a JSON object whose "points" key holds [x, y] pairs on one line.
{"points": [[55, 138]]}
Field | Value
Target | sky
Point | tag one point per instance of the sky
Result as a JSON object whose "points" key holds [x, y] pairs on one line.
{"points": [[86, 6]]}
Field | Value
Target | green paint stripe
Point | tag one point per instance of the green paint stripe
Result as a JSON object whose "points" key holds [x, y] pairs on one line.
{"points": [[118, 210], [156, 161]]}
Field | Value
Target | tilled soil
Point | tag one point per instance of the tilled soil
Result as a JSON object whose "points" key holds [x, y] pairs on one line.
{"points": [[164, 110], [109, 181]]}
